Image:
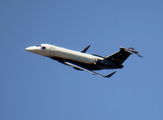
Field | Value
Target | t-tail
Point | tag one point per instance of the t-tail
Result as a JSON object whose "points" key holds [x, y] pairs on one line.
{"points": [[122, 55]]}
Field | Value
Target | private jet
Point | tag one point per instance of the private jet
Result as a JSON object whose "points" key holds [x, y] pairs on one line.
{"points": [[80, 60]]}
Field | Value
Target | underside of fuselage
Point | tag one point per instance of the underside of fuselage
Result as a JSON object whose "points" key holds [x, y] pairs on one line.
{"points": [[86, 66], [83, 65]]}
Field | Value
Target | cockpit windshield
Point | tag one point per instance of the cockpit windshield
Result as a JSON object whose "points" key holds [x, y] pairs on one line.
{"points": [[38, 45], [42, 47]]}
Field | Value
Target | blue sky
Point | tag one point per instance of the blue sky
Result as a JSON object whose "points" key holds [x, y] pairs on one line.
{"points": [[33, 87]]}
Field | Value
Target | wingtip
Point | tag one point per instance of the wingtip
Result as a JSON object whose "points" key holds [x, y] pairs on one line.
{"points": [[107, 76], [84, 50]]}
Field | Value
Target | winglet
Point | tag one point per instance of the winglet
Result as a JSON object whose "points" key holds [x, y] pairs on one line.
{"points": [[107, 76], [84, 50]]}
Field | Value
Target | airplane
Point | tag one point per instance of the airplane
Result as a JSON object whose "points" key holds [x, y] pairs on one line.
{"points": [[83, 61]]}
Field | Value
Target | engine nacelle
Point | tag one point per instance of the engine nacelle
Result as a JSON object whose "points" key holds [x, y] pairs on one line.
{"points": [[102, 63], [106, 64]]}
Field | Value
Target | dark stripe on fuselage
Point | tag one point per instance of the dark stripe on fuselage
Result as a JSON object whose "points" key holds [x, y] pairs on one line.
{"points": [[86, 66]]}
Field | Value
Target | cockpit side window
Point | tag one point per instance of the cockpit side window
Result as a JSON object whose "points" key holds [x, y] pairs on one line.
{"points": [[43, 47], [38, 45]]}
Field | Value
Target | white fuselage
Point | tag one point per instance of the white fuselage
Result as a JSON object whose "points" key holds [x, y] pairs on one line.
{"points": [[59, 52]]}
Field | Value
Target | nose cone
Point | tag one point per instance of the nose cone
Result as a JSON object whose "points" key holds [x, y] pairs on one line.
{"points": [[31, 49], [28, 49]]}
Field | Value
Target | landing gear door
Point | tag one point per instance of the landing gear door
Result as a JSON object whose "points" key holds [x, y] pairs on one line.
{"points": [[52, 51]]}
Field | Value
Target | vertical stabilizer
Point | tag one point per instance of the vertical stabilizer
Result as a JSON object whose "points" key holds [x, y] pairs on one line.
{"points": [[122, 55]]}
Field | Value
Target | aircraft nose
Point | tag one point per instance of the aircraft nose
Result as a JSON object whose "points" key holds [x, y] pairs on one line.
{"points": [[31, 49]]}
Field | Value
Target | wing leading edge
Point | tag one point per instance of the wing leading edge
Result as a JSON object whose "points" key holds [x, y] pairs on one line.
{"points": [[92, 72], [84, 50]]}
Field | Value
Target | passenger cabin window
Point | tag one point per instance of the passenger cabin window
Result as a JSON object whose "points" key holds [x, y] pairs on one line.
{"points": [[43, 47]]}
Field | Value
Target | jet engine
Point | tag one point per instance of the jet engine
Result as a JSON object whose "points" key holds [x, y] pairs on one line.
{"points": [[102, 63], [105, 64]]}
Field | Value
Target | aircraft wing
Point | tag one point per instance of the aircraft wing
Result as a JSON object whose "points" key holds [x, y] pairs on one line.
{"points": [[92, 72], [84, 50]]}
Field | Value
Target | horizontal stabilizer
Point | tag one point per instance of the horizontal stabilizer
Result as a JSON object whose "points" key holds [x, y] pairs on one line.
{"points": [[131, 50]]}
